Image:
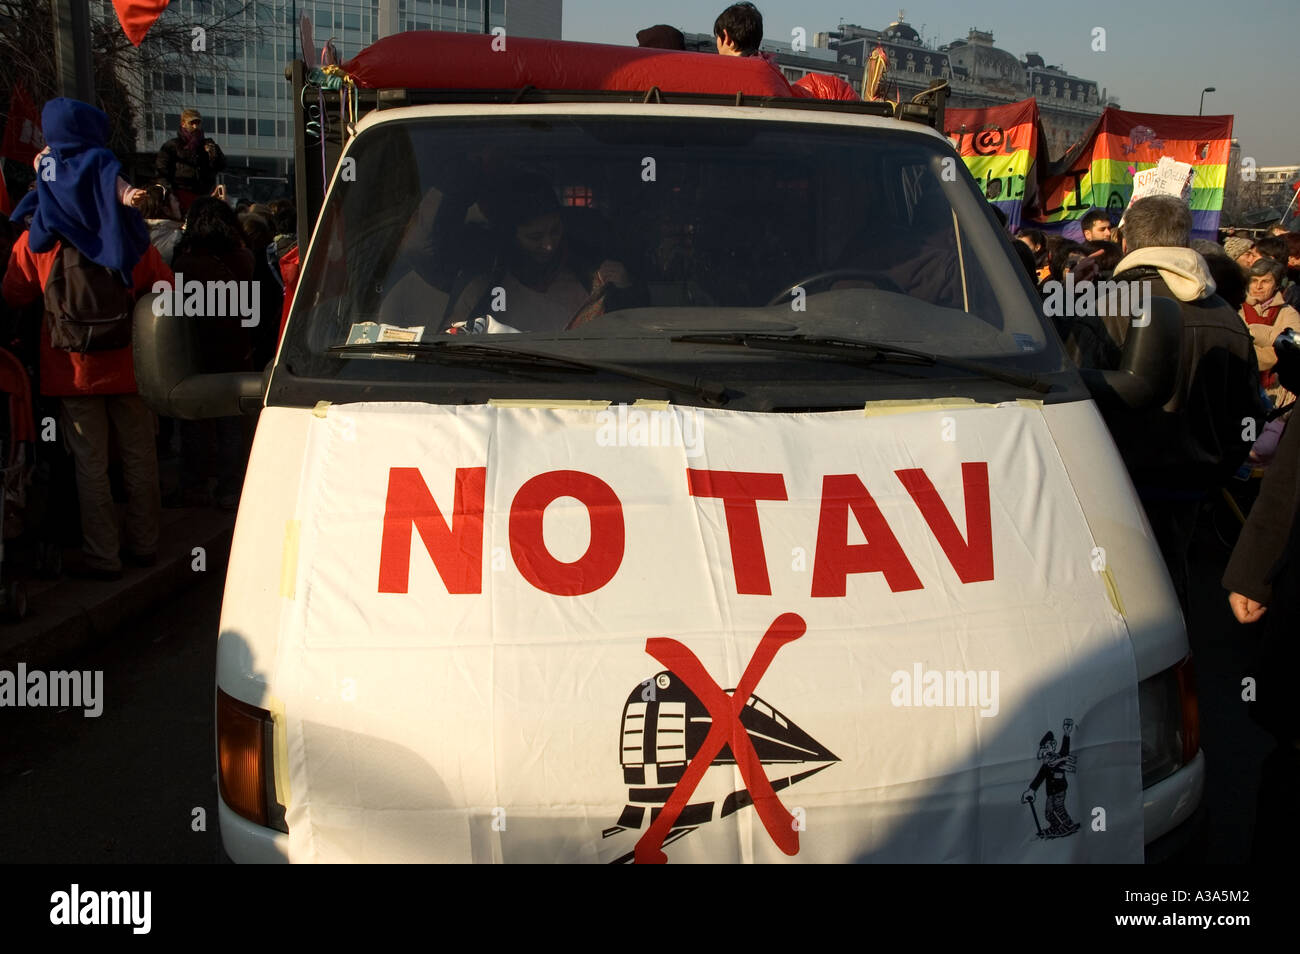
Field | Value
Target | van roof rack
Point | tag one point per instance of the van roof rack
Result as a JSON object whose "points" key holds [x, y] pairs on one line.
{"points": [[929, 114]]}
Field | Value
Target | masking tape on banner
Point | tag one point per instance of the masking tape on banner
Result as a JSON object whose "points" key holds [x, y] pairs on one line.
{"points": [[883, 408], [547, 404], [321, 409], [289, 558], [279, 749], [1031, 403], [656, 405], [1112, 591]]}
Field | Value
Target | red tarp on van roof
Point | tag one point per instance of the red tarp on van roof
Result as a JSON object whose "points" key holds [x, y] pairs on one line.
{"points": [[427, 59]]}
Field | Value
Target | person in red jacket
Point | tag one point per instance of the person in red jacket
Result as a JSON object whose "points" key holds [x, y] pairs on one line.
{"points": [[98, 394], [97, 388]]}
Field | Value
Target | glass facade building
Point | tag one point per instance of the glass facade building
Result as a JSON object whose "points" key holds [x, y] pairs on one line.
{"points": [[246, 104]]}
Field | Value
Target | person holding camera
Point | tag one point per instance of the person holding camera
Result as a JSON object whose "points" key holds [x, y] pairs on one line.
{"points": [[188, 164]]}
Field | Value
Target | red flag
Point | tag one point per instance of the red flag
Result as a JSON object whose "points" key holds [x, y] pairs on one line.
{"points": [[137, 16], [22, 139]]}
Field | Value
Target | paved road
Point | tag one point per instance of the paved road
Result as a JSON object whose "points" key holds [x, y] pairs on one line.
{"points": [[123, 787]]}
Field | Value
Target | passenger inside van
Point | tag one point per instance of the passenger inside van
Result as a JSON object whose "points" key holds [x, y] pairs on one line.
{"points": [[548, 281]]}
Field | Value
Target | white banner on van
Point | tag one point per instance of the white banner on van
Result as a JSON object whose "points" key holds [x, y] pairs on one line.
{"points": [[640, 634]]}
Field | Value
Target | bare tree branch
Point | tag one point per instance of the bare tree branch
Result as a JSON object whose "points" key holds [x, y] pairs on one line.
{"points": [[121, 69]]}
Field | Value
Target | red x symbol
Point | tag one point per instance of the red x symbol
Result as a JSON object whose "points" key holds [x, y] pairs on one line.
{"points": [[725, 712]]}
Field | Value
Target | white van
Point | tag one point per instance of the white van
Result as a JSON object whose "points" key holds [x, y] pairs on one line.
{"points": [[801, 540]]}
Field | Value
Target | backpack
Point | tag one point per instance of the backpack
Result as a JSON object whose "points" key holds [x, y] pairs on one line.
{"points": [[87, 308]]}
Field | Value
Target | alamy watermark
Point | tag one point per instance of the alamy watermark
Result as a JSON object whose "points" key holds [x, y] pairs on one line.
{"points": [[640, 427], [78, 907], [1106, 298], [946, 688], [196, 299], [58, 690]]}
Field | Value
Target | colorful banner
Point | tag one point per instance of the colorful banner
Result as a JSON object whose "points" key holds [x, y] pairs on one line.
{"points": [[999, 145], [643, 634], [1099, 172]]}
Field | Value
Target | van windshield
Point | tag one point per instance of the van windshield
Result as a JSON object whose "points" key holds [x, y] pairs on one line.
{"points": [[614, 235]]}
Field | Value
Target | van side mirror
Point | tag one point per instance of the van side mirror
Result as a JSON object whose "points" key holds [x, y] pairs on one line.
{"points": [[1148, 370], [167, 376]]}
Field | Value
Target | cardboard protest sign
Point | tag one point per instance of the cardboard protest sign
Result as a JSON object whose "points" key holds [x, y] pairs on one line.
{"points": [[1167, 177], [648, 634]]}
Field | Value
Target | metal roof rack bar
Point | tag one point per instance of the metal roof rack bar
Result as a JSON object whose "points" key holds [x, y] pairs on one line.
{"points": [[929, 114]]}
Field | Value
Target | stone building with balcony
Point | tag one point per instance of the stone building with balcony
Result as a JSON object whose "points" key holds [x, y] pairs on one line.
{"points": [[979, 74]]}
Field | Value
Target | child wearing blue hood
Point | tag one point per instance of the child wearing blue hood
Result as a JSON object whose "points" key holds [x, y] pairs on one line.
{"points": [[82, 204]]}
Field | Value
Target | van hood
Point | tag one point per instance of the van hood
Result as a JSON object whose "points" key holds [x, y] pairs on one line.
{"points": [[642, 633]]}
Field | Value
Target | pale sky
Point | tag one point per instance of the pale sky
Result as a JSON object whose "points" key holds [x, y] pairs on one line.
{"points": [[1159, 55]]}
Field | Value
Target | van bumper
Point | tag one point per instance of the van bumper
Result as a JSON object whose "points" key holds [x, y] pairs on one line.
{"points": [[1173, 814], [248, 843], [1172, 809]]}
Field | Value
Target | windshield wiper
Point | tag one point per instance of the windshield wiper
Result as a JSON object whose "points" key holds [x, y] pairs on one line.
{"points": [[858, 351], [504, 356]]}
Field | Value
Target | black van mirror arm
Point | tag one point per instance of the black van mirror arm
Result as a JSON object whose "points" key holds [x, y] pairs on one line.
{"points": [[167, 377], [1148, 371]]}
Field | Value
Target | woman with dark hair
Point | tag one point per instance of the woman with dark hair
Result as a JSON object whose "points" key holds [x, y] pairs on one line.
{"points": [[1037, 243], [547, 282], [213, 250], [259, 236], [162, 214], [1064, 257]]}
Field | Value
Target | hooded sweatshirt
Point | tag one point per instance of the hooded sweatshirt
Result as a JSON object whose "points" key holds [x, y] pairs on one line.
{"points": [[1198, 438], [80, 202]]}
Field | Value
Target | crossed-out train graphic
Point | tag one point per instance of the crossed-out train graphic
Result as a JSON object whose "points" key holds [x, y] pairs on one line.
{"points": [[664, 724]]}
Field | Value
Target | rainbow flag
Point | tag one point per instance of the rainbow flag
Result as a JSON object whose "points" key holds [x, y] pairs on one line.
{"points": [[1099, 171], [999, 145]]}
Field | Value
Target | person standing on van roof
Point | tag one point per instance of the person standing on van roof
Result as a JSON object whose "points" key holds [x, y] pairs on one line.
{"points": [[79, 210], [189, 163], [738, 30], [1178, 453]]}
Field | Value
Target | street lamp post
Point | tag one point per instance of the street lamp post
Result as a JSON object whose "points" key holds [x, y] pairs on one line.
{"points": [[1208, 89]]}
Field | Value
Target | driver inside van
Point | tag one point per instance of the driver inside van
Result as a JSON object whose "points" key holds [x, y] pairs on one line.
{"points": [[541, 280]]}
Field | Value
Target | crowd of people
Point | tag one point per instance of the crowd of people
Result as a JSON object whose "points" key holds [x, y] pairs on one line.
{"points": [[1225, 427], [84, 238], [82, 246]]}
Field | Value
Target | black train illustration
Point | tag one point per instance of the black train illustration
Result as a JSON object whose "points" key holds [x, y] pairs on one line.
{"points": [[663, 726]]}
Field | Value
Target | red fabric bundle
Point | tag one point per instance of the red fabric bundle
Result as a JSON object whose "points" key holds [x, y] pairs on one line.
{"points": [[425, 59]]}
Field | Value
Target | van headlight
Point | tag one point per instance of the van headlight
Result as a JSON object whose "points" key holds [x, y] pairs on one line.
{"points": [[1171, 734]]}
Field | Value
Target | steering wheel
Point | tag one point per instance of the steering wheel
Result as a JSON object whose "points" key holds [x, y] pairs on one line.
{"points": [[881, 280]]}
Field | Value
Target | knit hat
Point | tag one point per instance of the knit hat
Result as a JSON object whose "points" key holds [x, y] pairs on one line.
{"points": [[661, 37], [1236, 246]]}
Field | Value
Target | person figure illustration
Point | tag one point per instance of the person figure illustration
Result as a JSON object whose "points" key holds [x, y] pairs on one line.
{"points": [[1052, 771]]}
